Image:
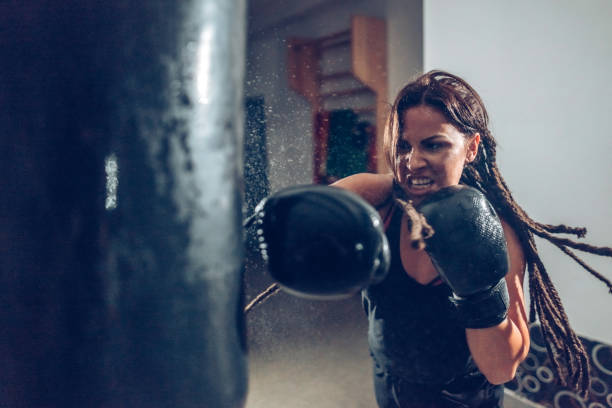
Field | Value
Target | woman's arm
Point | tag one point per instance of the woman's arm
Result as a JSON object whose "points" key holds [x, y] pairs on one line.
{"points": [[374, 188], [498, 350]]}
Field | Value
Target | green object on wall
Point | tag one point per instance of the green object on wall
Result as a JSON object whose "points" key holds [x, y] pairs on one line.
{"points": [[348, 143]]}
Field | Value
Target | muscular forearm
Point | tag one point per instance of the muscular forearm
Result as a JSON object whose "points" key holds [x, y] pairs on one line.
{"points": [[498, 350]]}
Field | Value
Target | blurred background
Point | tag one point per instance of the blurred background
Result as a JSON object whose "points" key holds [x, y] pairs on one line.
{"points": [[542, 69]]}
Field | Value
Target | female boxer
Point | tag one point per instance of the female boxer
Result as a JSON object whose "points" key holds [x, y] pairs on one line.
{"points": [[447, 324], [426, 351]]}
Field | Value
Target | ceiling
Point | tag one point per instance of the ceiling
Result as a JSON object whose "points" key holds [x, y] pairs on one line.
{"points": [[264, 14]]}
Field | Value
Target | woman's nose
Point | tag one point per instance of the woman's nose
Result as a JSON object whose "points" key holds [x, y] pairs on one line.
{"points": [[415, 160]]}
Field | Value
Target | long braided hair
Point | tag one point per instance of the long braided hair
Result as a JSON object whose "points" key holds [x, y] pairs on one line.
{"points": [[462, 105]]}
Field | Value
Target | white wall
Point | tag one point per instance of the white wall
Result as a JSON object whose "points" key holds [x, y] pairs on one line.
{"points": [[544, 71], [405, 43]]}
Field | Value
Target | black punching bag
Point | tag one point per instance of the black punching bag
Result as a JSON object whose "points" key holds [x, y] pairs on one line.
{"points": [[120, 221]]}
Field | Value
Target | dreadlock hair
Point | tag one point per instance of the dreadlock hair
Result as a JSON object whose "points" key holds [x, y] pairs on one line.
{"points": [[463, 107]]}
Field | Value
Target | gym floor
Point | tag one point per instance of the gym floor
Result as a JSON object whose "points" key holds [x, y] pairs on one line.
{"points": [[305, 353]]}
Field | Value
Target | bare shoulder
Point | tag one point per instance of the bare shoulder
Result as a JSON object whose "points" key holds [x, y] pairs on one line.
{"points": [[515, 249], [374, 188]]}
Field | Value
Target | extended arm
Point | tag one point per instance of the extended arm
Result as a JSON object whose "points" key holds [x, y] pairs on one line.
{"points": [[374, 188]]}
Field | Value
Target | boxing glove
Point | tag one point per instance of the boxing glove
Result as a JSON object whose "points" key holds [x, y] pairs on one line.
{"points": [[468, 249], [321, 241]]}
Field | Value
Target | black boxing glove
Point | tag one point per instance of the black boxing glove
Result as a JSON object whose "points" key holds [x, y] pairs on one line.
{"points": [[468, 249], [321, 241]]}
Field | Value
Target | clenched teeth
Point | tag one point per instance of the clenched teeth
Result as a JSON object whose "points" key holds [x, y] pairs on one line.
{"points": [[420, 181]]}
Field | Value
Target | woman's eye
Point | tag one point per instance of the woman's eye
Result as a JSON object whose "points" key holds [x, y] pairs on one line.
{"points": [[403, 146], [433, 146]]}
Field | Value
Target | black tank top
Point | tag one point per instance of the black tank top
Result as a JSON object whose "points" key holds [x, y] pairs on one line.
{"points": [[414, 334]]}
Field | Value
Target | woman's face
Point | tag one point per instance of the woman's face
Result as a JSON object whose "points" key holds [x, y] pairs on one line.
{"points": [[431, 152]]}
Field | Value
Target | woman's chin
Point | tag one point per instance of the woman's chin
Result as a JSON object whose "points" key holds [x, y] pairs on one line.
{"points": [[421, 191], [418, 194]]}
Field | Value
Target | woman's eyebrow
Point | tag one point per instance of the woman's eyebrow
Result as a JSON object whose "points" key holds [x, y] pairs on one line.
{"points": [[433, 138]]}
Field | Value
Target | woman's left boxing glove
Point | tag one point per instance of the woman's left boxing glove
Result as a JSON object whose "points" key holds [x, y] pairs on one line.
{"points": [[468, 249]]}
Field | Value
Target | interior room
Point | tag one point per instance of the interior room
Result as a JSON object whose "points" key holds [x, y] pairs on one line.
{"points": [[145, 150]]}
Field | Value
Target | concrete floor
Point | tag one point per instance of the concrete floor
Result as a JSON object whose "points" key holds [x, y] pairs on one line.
{"points": [[305, 353]]}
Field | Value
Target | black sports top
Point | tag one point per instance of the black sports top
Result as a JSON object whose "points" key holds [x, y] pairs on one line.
{"points": [[413, 334]]}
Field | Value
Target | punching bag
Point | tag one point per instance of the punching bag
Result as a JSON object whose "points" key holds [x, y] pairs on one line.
{"points": [[120, 220]]}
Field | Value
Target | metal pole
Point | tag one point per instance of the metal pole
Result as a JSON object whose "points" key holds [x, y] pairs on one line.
{"points": [[135, 302]]}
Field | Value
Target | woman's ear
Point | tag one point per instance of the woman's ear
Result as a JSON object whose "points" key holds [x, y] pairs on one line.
{"points": [[472, 148]]}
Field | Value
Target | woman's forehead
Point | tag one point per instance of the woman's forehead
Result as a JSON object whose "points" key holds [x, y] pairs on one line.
{"points": [[425, 121]]}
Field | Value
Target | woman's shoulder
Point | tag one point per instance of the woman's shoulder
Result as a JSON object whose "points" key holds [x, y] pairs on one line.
{"points": [[509, 232], [374, 188], [516, 254]]}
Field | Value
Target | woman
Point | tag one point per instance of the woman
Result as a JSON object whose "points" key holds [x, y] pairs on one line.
{"points": [[424, 352], [437, 136]]}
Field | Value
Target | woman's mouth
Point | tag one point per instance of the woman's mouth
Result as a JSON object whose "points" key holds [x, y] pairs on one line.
{"points": [[419, 182]]}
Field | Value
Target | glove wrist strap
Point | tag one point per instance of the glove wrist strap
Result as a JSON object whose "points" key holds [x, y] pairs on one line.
{"points": [[485, 309]]}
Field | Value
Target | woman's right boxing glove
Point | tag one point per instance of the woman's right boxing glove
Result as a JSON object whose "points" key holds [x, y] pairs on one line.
{"points": [[321, 241]]}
